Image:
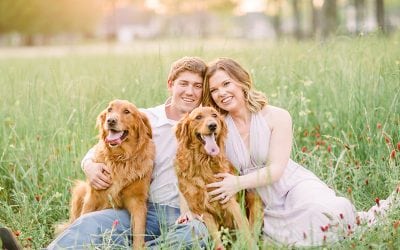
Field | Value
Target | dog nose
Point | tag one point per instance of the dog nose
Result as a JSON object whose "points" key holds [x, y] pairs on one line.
{"points": [[212, 126], [111, 121]]}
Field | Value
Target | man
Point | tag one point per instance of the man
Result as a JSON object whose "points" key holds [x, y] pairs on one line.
{"points": [[185, 82]]}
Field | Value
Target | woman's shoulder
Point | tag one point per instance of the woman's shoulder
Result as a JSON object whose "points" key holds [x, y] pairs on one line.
{"points": [[275, 115]]}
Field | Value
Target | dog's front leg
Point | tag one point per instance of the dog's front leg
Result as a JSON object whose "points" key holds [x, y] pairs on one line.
{"points": [[242, 224], [138, 210], [254, 209], [213, 230]]}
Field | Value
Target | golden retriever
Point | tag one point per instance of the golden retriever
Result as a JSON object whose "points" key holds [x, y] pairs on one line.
{"points": [[200, 156], [126, 146]]}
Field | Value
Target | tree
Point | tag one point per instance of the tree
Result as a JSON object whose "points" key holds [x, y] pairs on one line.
{"points": [[330, 18], [297, 20], [380, 15], [360, 13], [48, 17]]}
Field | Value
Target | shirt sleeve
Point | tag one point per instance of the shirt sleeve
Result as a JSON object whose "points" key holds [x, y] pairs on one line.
{"points": [[89, 156]]}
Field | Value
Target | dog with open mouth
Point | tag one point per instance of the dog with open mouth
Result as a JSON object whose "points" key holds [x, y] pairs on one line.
{"points": [[200, 155], [126, 147]]}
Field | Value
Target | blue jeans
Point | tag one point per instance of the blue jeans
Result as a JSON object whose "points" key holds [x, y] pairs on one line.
{"points": [[111, 229]]}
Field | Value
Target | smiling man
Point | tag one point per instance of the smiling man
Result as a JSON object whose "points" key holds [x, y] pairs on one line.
{"points": [[185, 82]]}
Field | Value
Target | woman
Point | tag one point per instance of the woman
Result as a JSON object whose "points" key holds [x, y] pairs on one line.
{"points": [[299, 209]]}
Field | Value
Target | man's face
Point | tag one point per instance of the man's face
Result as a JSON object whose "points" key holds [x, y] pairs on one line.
{"points": [[186, 92]]}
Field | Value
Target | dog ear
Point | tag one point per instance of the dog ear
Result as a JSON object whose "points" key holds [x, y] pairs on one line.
{"points": [[101, 119], [223, 133], [146, 124], [182, 128]]}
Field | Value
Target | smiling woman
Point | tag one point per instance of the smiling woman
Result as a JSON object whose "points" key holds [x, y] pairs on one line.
{"points": [[299, 208]]}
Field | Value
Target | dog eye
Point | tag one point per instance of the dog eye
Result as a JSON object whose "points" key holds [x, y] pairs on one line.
{"points": [[127, 111], [198, 117], [109, 109], [214, 115]]}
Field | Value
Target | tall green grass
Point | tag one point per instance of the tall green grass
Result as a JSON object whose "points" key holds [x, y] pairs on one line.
{"points": [[344, 97]]}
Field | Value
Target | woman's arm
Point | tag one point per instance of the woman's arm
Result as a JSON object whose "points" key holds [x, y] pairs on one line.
{"points": [[280, 123], [280, 146]]}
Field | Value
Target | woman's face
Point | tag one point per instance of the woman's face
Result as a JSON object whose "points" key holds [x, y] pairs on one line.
{"points": [[226, 92]]}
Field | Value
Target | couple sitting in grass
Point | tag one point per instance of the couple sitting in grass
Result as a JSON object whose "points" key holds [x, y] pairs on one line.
{"points": [[299, 208]]}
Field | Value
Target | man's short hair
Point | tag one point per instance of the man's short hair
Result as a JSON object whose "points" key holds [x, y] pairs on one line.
{"points": [[191, 64]]}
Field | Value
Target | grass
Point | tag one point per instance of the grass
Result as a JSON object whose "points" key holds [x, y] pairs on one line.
{"points": [[343, 95]]}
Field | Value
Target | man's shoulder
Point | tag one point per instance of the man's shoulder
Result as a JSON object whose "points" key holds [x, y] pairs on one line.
{"points": [[154, 114]]}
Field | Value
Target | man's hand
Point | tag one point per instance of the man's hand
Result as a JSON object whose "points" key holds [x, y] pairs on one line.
{"points": [[98, 175]]}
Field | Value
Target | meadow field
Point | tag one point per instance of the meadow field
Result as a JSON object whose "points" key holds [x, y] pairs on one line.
{"points": [[343, 95]]}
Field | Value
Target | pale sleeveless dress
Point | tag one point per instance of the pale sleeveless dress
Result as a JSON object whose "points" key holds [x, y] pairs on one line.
{"points": [[299, 209]]}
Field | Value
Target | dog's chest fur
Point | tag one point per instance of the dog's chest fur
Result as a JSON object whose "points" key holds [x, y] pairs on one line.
{"points": [[123, 172], [193, 181]]}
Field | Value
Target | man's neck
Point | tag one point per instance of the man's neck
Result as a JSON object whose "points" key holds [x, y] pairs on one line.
{"points": [[173, 113]]}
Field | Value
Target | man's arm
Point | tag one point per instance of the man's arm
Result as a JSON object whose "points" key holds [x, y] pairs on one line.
{"points": [[98, 174]]}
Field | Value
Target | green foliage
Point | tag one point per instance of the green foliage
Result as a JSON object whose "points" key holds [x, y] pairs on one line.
{"points": [[343, 96], [48, 16]]}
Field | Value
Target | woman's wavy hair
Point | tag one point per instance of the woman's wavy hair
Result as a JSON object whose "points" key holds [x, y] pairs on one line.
{"points": [[255, 100]]}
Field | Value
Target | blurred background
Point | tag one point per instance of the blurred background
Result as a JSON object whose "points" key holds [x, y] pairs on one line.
{"points": [[50, 22]]}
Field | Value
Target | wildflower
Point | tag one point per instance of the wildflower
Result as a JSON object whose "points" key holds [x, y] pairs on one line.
{"points": [[115, 223], [349, 190], [393, 154], [38, 198], [341, 216], [379, 125], [329, 148], [304, 149], [387, 140], [377, 201], [398, 146], [366, 181], [358, 220], [17, 233], [396, 224]]}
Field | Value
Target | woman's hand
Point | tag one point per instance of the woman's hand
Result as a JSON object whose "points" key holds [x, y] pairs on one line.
{"points": [[98, 175], [224, 189], [188, 216]]}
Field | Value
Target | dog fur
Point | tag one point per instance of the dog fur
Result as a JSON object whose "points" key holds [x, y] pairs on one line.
{"points": [[126, 147], [196, 165]]}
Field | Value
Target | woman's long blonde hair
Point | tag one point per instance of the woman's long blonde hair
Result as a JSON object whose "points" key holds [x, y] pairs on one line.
{"points": [[255, 100]]}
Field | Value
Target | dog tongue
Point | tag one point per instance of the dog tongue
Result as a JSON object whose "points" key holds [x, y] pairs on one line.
{"points": [[114, 137], [211, 146]]}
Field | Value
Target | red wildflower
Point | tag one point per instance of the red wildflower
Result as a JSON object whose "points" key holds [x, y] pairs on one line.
{"points": [[115, 223], [17, 233], [387, 140], [396, 224], [393, 154], [38, 198], [304, 149], [379, 125], [349, 190], [341, 216], [377, 200], [329, 148], [398, 146], [358, 220], [366, 182]]}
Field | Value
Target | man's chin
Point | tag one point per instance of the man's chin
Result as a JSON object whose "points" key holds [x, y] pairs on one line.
{"points": [[187, 108]]}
